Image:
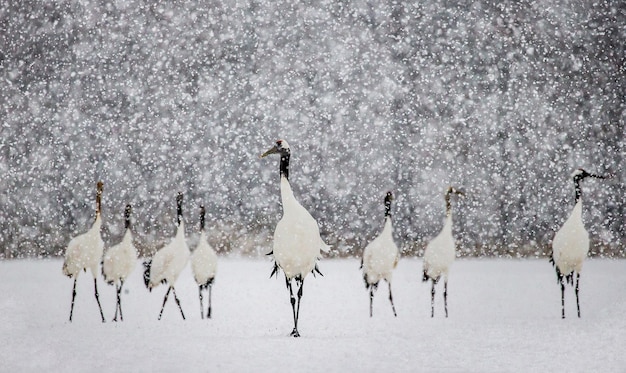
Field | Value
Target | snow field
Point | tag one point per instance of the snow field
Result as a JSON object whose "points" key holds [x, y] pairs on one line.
{"points": [[504, 317]]}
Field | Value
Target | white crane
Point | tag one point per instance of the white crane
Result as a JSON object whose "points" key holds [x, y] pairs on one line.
{"points": [[439, 255], [85, 251], [297, 241], [571, 243], [204, 265], [167, 264], [120, 261], [381, 257]]}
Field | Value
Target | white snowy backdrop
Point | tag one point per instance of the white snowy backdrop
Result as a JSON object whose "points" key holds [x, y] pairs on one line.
{"points": [[501, 98]]}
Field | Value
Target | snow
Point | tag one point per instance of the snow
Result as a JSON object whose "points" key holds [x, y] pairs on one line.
{"points": [[504, 317]]}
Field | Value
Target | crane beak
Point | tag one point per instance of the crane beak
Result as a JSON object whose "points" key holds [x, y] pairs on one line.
{"points": [[273, 150]]}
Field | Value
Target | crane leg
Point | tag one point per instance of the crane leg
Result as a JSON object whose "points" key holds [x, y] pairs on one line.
{"points": [[391, 300], [562, 297], [200, 295], [371, 298], [445, 296], [164, 301], [73, 297], [294, 332], [576, 289], [95, 287], [301, 281], [432, 299], [208, 315], [119, 299], [178, 303]]}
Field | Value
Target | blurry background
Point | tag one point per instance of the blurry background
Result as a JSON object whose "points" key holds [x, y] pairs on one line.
{"points": [[503, 99]]}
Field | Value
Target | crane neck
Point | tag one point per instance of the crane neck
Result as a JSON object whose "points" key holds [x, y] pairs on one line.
{"points": [[388, 229], [179, 212], [578, 190], [202, 218], [448, 205], [284, 164], [578, 209], [286, 194], [447, 226]]}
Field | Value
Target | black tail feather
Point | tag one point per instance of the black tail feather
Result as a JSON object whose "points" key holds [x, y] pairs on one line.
{"points": [[317, 269], [108, 281], [146, 272], [206, 284], [274, 270]]}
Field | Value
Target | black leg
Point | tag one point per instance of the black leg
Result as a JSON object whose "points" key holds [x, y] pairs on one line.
{"points": [[562, 297], [445, 295], [293, 306], [200, 295], [301, 281], [577, 282], [95, 287], [164, 300], [117, 302], [119, 299], [73, 297], [391, 300], [209, 311], [178, 303], [432, 300], [371, 299]]}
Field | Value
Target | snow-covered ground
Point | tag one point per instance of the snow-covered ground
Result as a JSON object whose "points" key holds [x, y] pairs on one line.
{"points": [[504, 316]]}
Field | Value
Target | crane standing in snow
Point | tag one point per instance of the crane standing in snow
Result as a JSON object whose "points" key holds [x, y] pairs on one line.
{"points": [[204, 265], [167, 264], [85, 251], [439, 255], [119, 262], [381, 257], [571, 243], [297, 241]]}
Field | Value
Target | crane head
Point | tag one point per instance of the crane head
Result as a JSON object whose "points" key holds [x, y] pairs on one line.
{"points": [[281, 147]]}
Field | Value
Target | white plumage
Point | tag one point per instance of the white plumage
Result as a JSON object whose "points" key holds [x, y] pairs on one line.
{"points": [[204, 265], [167, 264], [119, 262], [571, 243], [297, 241], [440, 253], [85, 252], [380, 257]]}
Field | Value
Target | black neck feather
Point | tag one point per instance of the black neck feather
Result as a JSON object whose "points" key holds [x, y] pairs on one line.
{"points": [[578, 189], [387, 208], [202, 214], [179, 208], [127, 217], [284, 164]]}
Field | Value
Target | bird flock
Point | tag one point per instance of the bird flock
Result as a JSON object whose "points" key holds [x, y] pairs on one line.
{"points": [[297, 248]]}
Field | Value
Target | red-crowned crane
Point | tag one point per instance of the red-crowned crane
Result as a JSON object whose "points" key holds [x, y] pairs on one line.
{"points": [[571, 243], [380, 257], [167, 264], [297, 241], [119, 262], [439, 255], [204, 265], [85, 251]]}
